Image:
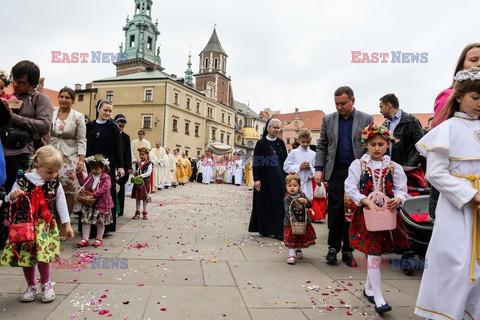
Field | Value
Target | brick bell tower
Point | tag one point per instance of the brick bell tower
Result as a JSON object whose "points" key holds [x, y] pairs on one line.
{"points": [[141, 52], [212, 76]]}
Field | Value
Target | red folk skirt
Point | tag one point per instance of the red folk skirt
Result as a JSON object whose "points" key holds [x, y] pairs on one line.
{"points": [[297, 240], [377, 242], [141, 191]]}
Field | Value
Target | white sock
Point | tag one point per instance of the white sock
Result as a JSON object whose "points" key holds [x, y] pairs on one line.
{"points": [[291, 252], [137, 204], [375, 279], [368, 287]]}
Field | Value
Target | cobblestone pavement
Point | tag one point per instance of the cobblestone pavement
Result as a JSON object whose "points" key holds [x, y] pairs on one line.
{"points": [[194, 259]]}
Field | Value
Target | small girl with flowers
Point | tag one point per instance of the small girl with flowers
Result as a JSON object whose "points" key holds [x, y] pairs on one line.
{"points": [[296, 204], [376, 172], [98, 183], [36, 195], [140, 191]]}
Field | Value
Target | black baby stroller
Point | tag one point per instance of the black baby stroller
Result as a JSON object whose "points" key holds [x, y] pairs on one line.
{"points": [[414, 213]]}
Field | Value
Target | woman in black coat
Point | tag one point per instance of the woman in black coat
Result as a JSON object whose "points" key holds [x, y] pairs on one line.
{"points": [[269, 155], [103, 137]]}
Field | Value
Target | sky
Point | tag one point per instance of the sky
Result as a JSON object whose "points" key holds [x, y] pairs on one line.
{"points": [[283, 54]]}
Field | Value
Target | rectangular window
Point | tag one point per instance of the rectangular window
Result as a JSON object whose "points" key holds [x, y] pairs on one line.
{"points": [[188, 103], [198, 107], [80, 97], [222, 135], [132, 40], [288, 140], [147, 121], [228, 139], [149, 43], [199, 152], [214, 131], [223, 117], [174, 126], [229, 120], [109, 96], [176, 98], [186, 152], [187, 127], [210, 112], [148, 95], [197, 129]]}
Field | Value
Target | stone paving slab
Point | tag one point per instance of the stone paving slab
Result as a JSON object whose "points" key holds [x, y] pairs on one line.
{"points": [[199, 303]]}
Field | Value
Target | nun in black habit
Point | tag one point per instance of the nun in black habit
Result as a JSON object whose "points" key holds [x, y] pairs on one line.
{"points": [[103, 137], [269, 155]]}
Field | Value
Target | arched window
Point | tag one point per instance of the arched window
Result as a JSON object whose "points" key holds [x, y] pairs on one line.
{"points": [[206, 63], [215, 63]]}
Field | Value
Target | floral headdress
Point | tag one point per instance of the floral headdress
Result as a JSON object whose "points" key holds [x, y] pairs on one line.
{"points": [[98, 158], [467, 75], [144, 150], [374, 129]]}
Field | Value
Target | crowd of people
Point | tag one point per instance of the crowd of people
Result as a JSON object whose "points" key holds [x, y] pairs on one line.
{"points": [[55, 162], [371, 165], [368, 163]]}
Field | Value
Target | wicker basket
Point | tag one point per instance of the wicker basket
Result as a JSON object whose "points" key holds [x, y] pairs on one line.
{"points": [[299, 228], [86, 198]]}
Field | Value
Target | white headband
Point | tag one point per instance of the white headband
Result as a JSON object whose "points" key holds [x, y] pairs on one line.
{"points": [[270, 123]]}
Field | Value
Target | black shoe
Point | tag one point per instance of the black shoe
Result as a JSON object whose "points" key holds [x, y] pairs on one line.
{"points": [[384, 308], [331, 256], [370, 299], [347, 257]]}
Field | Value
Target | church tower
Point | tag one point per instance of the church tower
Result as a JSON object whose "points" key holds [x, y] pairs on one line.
{"points": [[188, 80], [212, 76], [140, 52]]}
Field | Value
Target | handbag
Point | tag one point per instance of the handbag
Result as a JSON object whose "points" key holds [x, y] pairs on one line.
{"points": [[319, 192], [21, 232], [382, 220], [14, 137], [298, 228]]}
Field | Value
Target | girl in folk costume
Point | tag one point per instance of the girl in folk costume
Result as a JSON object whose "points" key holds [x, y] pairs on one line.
{"points": [[296, 204], [375, 172], [300, 161], [37, 192], [141, 191], [98, 183], [450, 287]]}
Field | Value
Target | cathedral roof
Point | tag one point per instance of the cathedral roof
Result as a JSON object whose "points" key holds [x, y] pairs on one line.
{"points": [[146, 75], [214, 44]]}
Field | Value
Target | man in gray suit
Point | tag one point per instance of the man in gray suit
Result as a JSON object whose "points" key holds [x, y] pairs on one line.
{"points": [[340, 144]]}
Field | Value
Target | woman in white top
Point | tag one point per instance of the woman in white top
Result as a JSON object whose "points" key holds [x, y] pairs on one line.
{"points": [[68, 137]]}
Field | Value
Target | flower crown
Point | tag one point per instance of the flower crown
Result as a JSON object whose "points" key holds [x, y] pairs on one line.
{"points": [[98, 158], [144, 150], [374, 129], [467, 75]]}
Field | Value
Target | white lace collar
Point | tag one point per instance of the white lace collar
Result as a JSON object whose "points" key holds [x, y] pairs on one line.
{"points": [[34, 177], [385, 160], [271, 139], [101, 121]]}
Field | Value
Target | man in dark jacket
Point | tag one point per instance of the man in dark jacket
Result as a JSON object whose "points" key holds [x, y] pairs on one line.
{"points": [[406, 128], [127, 160]]}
